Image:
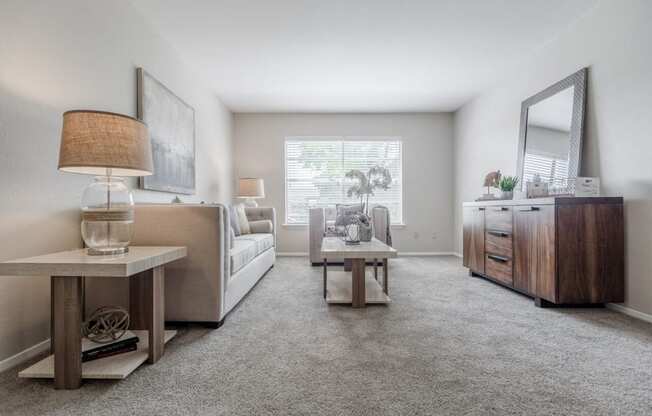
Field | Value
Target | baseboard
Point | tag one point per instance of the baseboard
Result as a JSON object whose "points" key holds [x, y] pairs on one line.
{"points": [[25, 355], [425, 253], [457, 255], [630, 312], [292, 254]]}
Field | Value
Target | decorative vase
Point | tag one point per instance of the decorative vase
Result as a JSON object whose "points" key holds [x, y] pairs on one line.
{"points": [[365, 229], [107, 216], [506, 194], [352, 233]]}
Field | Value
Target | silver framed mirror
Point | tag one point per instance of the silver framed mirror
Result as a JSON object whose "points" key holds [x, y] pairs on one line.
{"points": [[550, 136]]}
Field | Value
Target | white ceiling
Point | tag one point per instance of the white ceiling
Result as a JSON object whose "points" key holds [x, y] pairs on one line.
{"points": [[355, 55]]}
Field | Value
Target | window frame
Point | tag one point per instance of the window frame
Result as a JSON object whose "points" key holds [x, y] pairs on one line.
{"points": [[398, 139]]}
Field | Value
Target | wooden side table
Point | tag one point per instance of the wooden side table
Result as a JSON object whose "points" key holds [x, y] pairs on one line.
{"points": [[145, 268]]}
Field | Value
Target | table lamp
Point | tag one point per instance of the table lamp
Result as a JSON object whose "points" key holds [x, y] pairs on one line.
{"points": [[109, 146], [251, 189]]}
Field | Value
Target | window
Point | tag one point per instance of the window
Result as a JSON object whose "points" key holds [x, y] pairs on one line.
{"points": [[315, 169], [551, 169]]}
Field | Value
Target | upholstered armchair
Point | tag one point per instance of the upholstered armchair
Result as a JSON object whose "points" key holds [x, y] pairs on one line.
{"points": [[322, 224]]}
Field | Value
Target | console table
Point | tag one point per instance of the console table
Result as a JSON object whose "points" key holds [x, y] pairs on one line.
{"points": [[558, 250], [145, 268]]}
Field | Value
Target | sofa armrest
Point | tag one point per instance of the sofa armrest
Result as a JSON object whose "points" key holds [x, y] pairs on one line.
{"points": [[262, 213], [316, 229]]}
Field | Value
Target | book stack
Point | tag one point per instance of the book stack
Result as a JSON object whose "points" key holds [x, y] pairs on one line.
{"points": [[94, 351]]}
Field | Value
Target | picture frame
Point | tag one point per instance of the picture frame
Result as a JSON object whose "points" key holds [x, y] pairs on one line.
{"points": [[171, 125]]}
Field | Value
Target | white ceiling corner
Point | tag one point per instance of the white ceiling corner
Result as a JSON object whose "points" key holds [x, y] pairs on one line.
{"points": [[355, 55]]}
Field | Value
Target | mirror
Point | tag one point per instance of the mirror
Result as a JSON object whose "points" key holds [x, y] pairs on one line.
{"points": [[552, 123]]}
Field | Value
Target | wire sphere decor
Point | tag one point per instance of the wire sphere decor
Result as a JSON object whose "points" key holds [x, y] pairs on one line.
{"points": [[351, 231], [106, 324]]}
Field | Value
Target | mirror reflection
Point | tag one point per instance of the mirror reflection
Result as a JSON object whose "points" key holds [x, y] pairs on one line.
{"points": [[548, 139]]}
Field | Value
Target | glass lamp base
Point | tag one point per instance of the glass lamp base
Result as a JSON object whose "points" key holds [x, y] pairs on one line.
{"points": [[250, 203], [107, 251]]}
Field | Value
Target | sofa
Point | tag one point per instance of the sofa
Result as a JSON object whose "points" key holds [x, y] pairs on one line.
{"points": [[217, 273], [321, 223]]}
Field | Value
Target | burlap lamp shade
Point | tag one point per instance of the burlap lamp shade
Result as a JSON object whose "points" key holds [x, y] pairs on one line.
{"points": [[94, 141], [109, 146], [251, 188]]}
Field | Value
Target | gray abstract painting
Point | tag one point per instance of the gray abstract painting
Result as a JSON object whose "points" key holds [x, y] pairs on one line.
{"points": [[171, 124]]}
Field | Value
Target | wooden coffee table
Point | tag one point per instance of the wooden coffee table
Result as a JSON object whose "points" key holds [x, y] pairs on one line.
{"points": [[356, 288]]}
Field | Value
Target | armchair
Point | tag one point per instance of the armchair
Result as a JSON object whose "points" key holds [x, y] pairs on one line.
{"points": [[322, 222]]}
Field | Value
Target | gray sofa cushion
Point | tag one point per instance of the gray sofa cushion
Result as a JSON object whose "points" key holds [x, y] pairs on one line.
{"points": [[345, 211], [247, 247], [261, 227]]}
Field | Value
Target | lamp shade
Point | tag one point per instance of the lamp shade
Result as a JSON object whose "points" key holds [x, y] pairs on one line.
{"points": [[94, 141], [251, 188]]}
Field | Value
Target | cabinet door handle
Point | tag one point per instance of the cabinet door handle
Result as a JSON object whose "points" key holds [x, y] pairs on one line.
{"points": [[530, 209], [498, 258], [501, 209], [498, 233], [481, 209]]}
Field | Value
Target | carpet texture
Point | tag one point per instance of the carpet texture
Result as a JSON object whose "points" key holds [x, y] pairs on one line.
{"points": [[449, 344]]}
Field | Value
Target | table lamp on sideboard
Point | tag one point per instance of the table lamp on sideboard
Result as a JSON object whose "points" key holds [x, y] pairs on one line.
{"points": [[251, 189], [109, 146]]}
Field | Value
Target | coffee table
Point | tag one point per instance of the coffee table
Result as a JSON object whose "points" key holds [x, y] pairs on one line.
{"points": [[356, 288]]}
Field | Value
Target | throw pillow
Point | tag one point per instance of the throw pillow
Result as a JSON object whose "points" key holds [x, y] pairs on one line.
{"points": [[242, 219], [261, 227], [345, 211], [233, 219]]}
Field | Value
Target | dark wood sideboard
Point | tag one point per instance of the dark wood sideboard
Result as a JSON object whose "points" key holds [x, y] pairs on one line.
{"points": [[558, 250]]}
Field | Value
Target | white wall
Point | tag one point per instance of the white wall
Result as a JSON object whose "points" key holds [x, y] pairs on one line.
{"points": [[427, 168], [61, 55], [613, 40]]}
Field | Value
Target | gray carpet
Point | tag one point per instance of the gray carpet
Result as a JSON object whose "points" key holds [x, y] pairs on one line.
{"points": [[449, 344]]}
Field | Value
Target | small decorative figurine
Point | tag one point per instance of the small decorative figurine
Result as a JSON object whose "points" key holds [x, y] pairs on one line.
{"points": [[492, 180]]}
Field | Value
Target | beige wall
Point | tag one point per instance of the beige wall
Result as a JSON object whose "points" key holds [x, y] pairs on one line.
{"points": [[61, 55], [427, 168], [613, 40]]}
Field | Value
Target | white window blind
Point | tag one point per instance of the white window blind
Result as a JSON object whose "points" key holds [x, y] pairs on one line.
{"points": [[551, 169], [315, 169]]}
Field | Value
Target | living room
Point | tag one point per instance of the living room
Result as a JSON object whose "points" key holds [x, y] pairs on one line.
{"points": [[462, 273]]}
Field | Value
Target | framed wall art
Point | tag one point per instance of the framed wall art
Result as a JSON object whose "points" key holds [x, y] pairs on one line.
{"points": [[171, 124]]}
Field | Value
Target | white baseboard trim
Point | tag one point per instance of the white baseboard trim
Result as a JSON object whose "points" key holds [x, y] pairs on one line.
{"points": [[424, 253], [24, 355], [630, 312], [457, 255], [292, 254]]}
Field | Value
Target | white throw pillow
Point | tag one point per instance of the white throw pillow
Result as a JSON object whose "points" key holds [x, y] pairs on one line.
{"points": [[242, 219]]}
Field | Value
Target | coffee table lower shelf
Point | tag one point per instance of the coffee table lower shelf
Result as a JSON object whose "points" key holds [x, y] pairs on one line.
{"points": [[116, 367], [340, 289]]}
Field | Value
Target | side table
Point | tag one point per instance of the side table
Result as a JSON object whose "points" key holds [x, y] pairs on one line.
{"points": [[144, 266]]}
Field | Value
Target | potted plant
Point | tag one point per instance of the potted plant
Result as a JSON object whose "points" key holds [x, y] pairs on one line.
{"points": [[377, 177], [507, 185]]}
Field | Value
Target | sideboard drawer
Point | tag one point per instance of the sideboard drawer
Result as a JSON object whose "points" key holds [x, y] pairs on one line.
{"points": [[499, 218], [498, 242], [499, 267]]}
